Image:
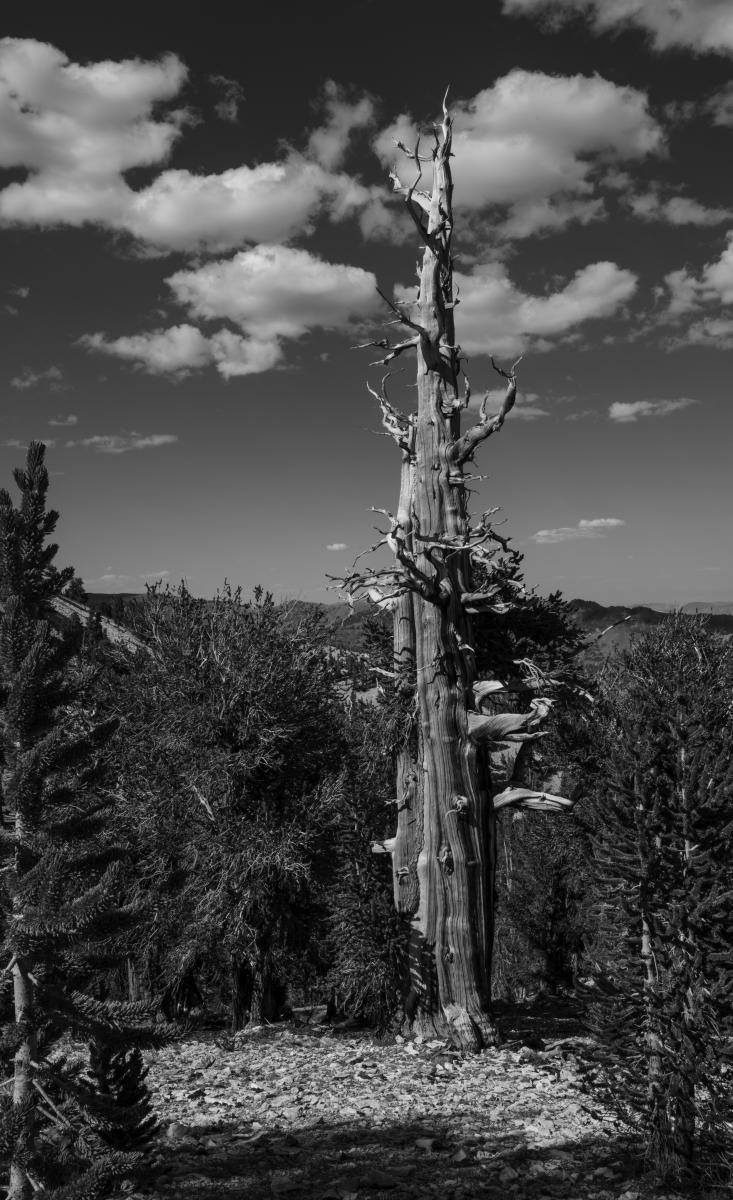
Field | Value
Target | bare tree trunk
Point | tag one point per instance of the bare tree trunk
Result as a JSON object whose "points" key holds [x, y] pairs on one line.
{"points": [[444, 852], [404, 858], [453, 924]]}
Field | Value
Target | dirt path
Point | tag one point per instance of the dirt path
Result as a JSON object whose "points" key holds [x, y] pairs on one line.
{"points": [[301, 1112]]}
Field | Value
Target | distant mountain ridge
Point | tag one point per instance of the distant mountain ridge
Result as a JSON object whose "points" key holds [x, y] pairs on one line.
{"points": [[345, 623]]}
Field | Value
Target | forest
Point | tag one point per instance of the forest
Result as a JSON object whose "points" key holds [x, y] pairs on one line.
{"points": [[469, 860]]}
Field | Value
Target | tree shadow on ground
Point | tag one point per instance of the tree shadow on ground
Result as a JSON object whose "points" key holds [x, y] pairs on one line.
{"points": [[429, 1158], [545, 1018]]}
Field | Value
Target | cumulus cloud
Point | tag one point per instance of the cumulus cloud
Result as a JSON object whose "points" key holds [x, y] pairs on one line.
{"points": [[276, 291], [328, 144], [697, 25], [155, 575], [690, 295], [624, 412], [677, 210], [174, 351], [337, 546], [70, 419], [495, 316], [531, 142], [231, 97], [121, 443], [29, 378], [78, 130], [720, 106], [273, 293], [181, 349], [270, 202], [22, 293], [714, 332], [595, 528]]}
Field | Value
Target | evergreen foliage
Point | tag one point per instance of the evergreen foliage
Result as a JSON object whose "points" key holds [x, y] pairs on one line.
{"points": [[663, 839], [62, 876], [366, 937], [541, 880], [230, 764]]}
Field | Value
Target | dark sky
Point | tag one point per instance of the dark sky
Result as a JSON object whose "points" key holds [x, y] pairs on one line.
{"points": [[194, 215]]}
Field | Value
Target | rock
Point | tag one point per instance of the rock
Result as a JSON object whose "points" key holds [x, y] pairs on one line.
{"points": [[508, 1175], [176, 1132]]}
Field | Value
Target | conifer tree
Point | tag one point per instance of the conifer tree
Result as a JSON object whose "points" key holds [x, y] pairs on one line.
{"points": [[62, 880], [664, 858]]}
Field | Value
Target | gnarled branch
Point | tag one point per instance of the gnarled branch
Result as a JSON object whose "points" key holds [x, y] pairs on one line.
{"points": [[465, 447]]}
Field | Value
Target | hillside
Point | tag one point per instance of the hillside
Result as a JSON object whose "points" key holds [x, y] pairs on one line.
{"points": [[345, 624]]}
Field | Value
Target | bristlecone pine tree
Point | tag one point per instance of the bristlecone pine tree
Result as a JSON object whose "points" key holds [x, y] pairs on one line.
{"points": [[447, 793], [61, 1128], [663, 831]]}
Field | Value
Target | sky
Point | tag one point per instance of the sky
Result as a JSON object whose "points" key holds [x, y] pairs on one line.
{"points": [[194, 220]]}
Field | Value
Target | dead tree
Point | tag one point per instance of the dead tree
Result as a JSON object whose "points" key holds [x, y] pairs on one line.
{"points": [[466, 765]]}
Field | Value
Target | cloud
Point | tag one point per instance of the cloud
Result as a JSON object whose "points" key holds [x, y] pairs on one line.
{"points": [[526, 407], [531, 142], [688, 294], [155, 575], [720, 106], [181, 349], [232, 95], [328, 144], [624, 412], [495, 316], [76, 130], [30, 379], [337, 546], [678, 210], [595, 528], [714, 332], [71, 419], [174, 351], [21, 292], [697, 25], [118, 443], [273, 293], [277, 291], [270, 202]]}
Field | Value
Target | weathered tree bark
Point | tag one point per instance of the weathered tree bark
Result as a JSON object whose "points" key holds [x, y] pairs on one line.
{"points": [[452, 927], [409, 815], [444, 852]]}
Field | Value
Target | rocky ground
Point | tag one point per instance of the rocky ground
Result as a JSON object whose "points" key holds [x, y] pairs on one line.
{"points": [[303, 1111]]}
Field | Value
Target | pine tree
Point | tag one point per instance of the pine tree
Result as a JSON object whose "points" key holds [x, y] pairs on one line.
{"points": [[664, 858], [231, 773], [62, 878]]}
